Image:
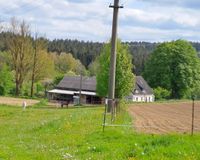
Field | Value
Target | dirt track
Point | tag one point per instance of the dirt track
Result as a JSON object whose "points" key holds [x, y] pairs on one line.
{"points": [[165, 117], [17, 101]]}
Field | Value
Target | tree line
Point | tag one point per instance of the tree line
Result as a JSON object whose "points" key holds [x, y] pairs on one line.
{"points": [[87, 52]]}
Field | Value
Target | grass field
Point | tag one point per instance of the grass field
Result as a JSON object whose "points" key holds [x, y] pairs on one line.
{"points": [[56, 134]]}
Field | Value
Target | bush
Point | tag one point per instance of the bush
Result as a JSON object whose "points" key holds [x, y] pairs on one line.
{"points": [[57, 79], [25, 89], [6, 80], [40, 90], [2, 91], [161, 93]]}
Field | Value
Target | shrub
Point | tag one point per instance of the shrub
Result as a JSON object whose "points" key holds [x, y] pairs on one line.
{"points": [[161, 93], [6, 80], [57, 79], [2, 91]]}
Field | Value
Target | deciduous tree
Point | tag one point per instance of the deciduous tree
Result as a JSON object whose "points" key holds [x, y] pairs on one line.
{"points": [[65, 62], [20, 48], [42, 64], [174, 66], [93, 67], [124, 76]]}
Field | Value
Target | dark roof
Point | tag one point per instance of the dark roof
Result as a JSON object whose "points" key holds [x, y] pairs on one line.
{"points": [[73, 83], [89, 84], [141, 86]]}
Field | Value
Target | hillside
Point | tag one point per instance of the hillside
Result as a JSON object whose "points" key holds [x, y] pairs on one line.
{"points": [[86, 52]]}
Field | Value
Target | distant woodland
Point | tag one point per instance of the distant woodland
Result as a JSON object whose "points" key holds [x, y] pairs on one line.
{"points": [[87, 52]]}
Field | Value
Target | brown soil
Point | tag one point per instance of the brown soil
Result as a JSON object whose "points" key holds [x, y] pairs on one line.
{"points": [[165, 118], [17, 101]]}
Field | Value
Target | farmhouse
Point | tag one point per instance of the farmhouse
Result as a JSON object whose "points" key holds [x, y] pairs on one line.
{"points": [[142, 91], [69, 90]]}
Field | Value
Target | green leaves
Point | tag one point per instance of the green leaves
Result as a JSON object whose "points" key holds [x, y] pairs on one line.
{"points": [[173, 66], [124, 76], [161, 93], [6, 82]]}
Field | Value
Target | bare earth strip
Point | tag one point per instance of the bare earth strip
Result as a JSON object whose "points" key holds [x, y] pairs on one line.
{"points": [[165, 118], [17, 101]]}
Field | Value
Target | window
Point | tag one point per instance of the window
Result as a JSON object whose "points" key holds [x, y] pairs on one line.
{"points": [[143, 91]]}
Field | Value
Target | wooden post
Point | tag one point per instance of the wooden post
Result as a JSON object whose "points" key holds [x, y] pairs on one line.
{"points": [[192, 129], [113, 56], [104, 116]]}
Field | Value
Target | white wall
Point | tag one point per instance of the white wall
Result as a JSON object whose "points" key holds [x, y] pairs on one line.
{"points": [[141, 98]]}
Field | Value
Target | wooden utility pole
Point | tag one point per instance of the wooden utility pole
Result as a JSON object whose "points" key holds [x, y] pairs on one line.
{"points": [[34, 64], [111, 94]]}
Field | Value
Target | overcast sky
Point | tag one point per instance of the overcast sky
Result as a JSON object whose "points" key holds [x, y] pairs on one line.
{"points": [[140, 20]]}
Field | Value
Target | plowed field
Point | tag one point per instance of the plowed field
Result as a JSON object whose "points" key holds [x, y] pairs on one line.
{"points": [[163, 118]]}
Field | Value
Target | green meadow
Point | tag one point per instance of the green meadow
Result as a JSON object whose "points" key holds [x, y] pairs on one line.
{"points": [[42, 133]]}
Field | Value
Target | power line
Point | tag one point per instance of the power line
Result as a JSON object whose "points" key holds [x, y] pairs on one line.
{"points": [[125, 2]]}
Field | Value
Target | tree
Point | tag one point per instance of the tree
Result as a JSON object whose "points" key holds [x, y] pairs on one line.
{"points": [[93, 67], [161, 93], [87, 52], [175, 67], [57, 79], [66, 62], [42, 63], [6, 80], [20, 49], [4, 59], [124, 76], [80, 68]]}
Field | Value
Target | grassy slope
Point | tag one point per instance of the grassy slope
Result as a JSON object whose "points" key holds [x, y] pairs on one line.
{"points": [[62, 133]]}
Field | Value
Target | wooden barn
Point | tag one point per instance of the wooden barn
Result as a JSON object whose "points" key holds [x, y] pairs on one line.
{"points": [[71, 87]]}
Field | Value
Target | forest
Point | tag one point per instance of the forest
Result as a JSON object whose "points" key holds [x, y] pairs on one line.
{"points": [[87, 52]]}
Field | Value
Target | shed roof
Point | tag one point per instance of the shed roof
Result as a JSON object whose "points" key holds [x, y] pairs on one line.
{"points": [[73, 83], [58, 91]]}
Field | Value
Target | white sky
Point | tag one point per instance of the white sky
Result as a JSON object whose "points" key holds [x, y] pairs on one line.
{"points": [[140, 20]]}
